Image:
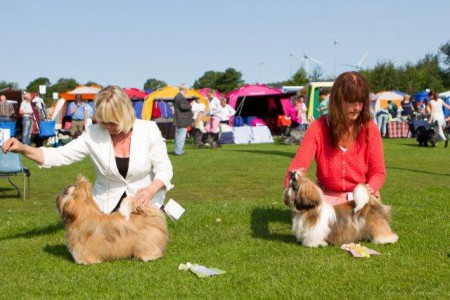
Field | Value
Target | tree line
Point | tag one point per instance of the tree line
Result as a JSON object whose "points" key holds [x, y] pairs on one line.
{"points": [[432, 72]]}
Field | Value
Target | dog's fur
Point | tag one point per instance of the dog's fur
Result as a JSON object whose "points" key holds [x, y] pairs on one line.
{"points": [[211, 140], [206, 140], [318, 223], [294, 136], [427, 135], [202, 138], [93, 237]]}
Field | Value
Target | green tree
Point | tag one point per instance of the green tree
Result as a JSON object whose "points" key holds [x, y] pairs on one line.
{"points": [[410, 80], [228, 81], [445, 50], [431, 72], [383, 77], [33, 86], [154, 84], [221, 81], [208, 80], [64, 85], [12, 85], [90, 83], [298, 78], [316, 74]]}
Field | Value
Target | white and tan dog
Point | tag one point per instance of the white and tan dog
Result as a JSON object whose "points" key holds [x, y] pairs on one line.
{"points": [[318, 223], [94, 237]]}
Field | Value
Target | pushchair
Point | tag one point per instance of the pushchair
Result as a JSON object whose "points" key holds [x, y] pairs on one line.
{"points": [[46, 132]]}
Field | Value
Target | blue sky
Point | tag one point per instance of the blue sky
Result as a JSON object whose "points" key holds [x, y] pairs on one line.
{"points": [[126, 42]]}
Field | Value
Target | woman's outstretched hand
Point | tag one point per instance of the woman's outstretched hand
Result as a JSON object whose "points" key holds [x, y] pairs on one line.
{"points": [[13, 145]]}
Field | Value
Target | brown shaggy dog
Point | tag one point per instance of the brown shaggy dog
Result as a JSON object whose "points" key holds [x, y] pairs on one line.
{"points": [[94, 237], [318, 223]]}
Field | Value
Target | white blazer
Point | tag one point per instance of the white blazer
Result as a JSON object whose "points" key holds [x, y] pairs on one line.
{"points": [[148, 161]]}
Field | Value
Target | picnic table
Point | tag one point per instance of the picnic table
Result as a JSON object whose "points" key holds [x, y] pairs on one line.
{"points": [[397, 129]]}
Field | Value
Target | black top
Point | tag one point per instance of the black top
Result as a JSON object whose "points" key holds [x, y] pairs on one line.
{"points": [[182, 111], [122, 165]]}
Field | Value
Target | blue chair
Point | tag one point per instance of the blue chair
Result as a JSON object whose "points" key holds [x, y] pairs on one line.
{"points": [[11, 165]]}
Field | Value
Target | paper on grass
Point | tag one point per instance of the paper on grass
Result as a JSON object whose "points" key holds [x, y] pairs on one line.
{"points": [[200, 271], [174, 210], [359, 251]]}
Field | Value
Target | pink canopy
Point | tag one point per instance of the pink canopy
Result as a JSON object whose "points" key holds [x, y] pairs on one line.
{"points": [[261, 101], [135, 94], [257, 90]]}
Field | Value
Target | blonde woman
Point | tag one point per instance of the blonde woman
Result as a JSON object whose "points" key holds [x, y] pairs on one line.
{"points": [[214, 111], [129, 155]]}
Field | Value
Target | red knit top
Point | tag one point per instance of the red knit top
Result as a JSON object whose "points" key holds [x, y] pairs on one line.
{"points": [[337, 170]]}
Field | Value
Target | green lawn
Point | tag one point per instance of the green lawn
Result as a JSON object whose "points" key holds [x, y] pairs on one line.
{"points": [[253, 243]]}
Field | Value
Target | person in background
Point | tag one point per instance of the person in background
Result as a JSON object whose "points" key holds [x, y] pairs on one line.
{"points": [[26, 112], [323, 102], [199, 112], [129, 155], [393, 109], [182, 119], [301, 111], [382, 116], [88, 114], [407, 107], [437, 115], [77, 112], [6, 110], [214, 112], [346, 143], [422, 106], [226, 111], [293, 113], [197, 107]]}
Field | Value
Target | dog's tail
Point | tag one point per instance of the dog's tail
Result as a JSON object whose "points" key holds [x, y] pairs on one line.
{"points": [[361, 197]]}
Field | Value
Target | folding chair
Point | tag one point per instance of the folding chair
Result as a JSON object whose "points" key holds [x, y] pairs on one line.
{"points": [[11, 165]]}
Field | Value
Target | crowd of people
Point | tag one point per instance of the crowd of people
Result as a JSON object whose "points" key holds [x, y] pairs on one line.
{"points": [[198, 116], [429, 110], [31, 110], [298, 111], [130, 155]]}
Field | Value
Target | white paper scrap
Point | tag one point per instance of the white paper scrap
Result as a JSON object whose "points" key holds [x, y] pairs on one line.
{"points": [[174, 210]]}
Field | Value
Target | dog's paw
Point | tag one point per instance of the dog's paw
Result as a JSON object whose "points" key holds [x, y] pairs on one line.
{"points": [[386, 239], [315, 244]]}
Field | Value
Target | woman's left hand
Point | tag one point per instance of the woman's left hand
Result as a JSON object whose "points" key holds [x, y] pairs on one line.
{"points": [[143, 196], [369, 189]]}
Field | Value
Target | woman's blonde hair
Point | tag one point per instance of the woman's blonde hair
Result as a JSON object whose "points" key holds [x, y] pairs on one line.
{"points": [[112, 105]]}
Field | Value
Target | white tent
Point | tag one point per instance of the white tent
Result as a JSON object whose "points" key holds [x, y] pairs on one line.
{"points": [[58, 110], [444, 94], [382, 99]]}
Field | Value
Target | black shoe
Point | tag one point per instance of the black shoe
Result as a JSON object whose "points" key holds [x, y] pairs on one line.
{"points": [[446, 144]]}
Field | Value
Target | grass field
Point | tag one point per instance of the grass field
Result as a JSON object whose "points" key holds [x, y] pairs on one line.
{"points": [[253, 243]]}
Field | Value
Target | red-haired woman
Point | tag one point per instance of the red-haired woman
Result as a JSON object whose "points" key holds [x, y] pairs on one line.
{"points": [[346, 143]]}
